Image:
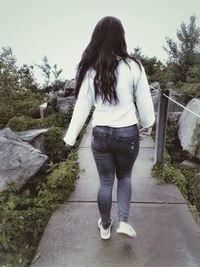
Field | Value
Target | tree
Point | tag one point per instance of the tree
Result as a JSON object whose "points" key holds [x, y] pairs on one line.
{"points": [[46, 68], [56, 72], [8, 69], [26, 77], [155, 69], [48, 72], [183, 55], [16, 84]]}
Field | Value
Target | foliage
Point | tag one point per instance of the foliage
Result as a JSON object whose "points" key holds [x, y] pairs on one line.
{"points": [[155, 69], [12, 77], [191, 88], [26, 76], [193, 185], [57, 119], [18, 95], [46, 69], [49, 71], [22, 124], [197, 141], [187, 180], [24, 216], [54, 144], [184, 54], [15, 103], [51, 107], [167, 173], [193, 74]]}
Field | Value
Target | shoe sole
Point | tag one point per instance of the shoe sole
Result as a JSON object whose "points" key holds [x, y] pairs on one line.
{"points": [[126, 234]]}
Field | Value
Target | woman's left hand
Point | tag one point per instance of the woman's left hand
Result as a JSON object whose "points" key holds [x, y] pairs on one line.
{"points": [[145, 132], [68, 147]]}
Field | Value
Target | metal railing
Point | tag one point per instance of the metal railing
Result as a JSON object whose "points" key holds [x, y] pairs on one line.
{"points": [[161, 121]]}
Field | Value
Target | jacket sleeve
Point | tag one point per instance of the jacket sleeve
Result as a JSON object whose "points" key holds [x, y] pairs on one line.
{"points": [[144, 100], [81, 111]]}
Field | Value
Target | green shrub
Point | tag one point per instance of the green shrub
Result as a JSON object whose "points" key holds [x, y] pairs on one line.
{"points": [[193, 185], [166, 173], [51, 107], [58, 119], [14, 103], [190, 90], [23, 216], [22, 123], [187, 181], [6, 112], [197, 135], [54, 144]]}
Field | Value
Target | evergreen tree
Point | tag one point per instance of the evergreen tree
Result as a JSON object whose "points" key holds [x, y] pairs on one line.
{"points": [[185, 53]]}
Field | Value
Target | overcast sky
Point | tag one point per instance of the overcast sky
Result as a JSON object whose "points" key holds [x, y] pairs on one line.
{"points": [[61, 29]]}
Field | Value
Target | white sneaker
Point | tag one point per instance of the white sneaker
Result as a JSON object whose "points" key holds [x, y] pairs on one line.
{"points": [[127, 229], [104, 233]]}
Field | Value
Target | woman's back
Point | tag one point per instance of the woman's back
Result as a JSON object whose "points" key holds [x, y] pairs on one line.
{"points": [[122, 113], [131, 83]]}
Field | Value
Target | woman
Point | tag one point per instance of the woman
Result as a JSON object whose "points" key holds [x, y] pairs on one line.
{"points": [[110, 79]]}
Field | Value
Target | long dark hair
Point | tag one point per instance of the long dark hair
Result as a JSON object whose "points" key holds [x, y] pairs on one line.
{"points": [[107, 42]]}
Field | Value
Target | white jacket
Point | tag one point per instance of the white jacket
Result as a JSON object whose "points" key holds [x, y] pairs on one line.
{"points": [[130, 82]]}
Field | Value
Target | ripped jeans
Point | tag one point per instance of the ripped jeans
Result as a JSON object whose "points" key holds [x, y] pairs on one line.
{"points": [[115, 151]]}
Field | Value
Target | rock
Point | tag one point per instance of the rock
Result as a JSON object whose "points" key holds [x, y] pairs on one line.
{"points": [[189, 163], [19, 161], [154, 86], [60, 93], [174, 116], [42, 108], [187, 125], [51, 96], [69, 87], [34, 137], [65, 103], [173, 107]]}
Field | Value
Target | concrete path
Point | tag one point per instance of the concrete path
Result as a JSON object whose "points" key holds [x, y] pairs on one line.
{"points": [[167, 233]]}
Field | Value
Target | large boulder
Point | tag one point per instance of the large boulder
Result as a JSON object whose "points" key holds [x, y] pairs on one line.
{"points": [[42, 108], [174, 117], [188, 123], [19, 161], [65, 103], [35, 137], [69, 87]]}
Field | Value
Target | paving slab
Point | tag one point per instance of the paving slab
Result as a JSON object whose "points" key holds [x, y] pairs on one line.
{"points": [[167, 233], [167, 237]]}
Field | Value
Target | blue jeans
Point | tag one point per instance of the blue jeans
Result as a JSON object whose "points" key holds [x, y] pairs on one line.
{"points": [[115, 151]]}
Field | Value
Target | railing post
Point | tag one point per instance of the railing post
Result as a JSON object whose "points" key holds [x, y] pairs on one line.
{"points": [[161, 124]]}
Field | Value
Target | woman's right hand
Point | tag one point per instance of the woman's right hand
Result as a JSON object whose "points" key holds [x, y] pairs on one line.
{"points": [[145, 132]]}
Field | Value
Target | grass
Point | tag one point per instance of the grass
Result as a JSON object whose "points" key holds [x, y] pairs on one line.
{"points": [[186, 180]]}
